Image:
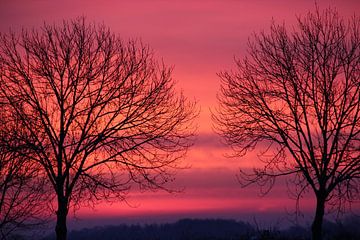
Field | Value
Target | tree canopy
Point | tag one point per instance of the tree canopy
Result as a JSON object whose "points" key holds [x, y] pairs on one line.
{"points": [[99, 113], [297, 96]]}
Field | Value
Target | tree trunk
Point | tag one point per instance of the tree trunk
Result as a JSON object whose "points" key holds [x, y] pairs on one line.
{"points": [[61, 228], [316, 227]]}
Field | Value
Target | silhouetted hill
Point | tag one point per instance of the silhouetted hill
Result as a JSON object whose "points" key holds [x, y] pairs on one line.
{"points": [[213, 229], [183, 229]]}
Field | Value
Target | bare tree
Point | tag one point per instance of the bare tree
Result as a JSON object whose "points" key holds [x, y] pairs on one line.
{"points": [[297, 95], [100, 114], [21, 188]]}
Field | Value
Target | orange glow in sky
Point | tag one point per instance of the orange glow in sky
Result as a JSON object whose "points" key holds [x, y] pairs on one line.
{"points": [[199, 38]]}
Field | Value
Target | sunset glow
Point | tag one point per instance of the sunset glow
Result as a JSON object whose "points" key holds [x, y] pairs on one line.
{"points": [[199, 39]]}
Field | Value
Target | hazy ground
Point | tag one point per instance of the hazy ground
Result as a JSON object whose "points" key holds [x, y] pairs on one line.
{"points": [[217, 229]]}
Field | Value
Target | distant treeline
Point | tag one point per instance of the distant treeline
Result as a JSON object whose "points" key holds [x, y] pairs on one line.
{"points": [[214, 229]]}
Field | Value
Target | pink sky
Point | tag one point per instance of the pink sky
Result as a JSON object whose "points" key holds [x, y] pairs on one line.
{"points": [[199, 38]]}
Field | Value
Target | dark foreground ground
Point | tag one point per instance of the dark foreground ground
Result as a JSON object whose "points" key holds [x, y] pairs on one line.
{"points": [[214, 229]]}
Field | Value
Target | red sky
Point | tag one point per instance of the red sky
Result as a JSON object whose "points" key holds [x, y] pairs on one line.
{"points": [[199, 38]]}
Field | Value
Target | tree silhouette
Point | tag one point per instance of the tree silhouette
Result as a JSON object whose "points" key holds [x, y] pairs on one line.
{"points": [[297, 96], [100, 114], [21, 186]]}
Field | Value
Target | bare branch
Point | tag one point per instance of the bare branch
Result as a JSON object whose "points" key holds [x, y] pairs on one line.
{"points": [[299, 92], [100, 113]]}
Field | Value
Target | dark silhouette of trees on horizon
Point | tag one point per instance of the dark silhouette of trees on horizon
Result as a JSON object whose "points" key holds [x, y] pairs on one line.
{"points": [[98, 114], [214, 229], [297, 97]]}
